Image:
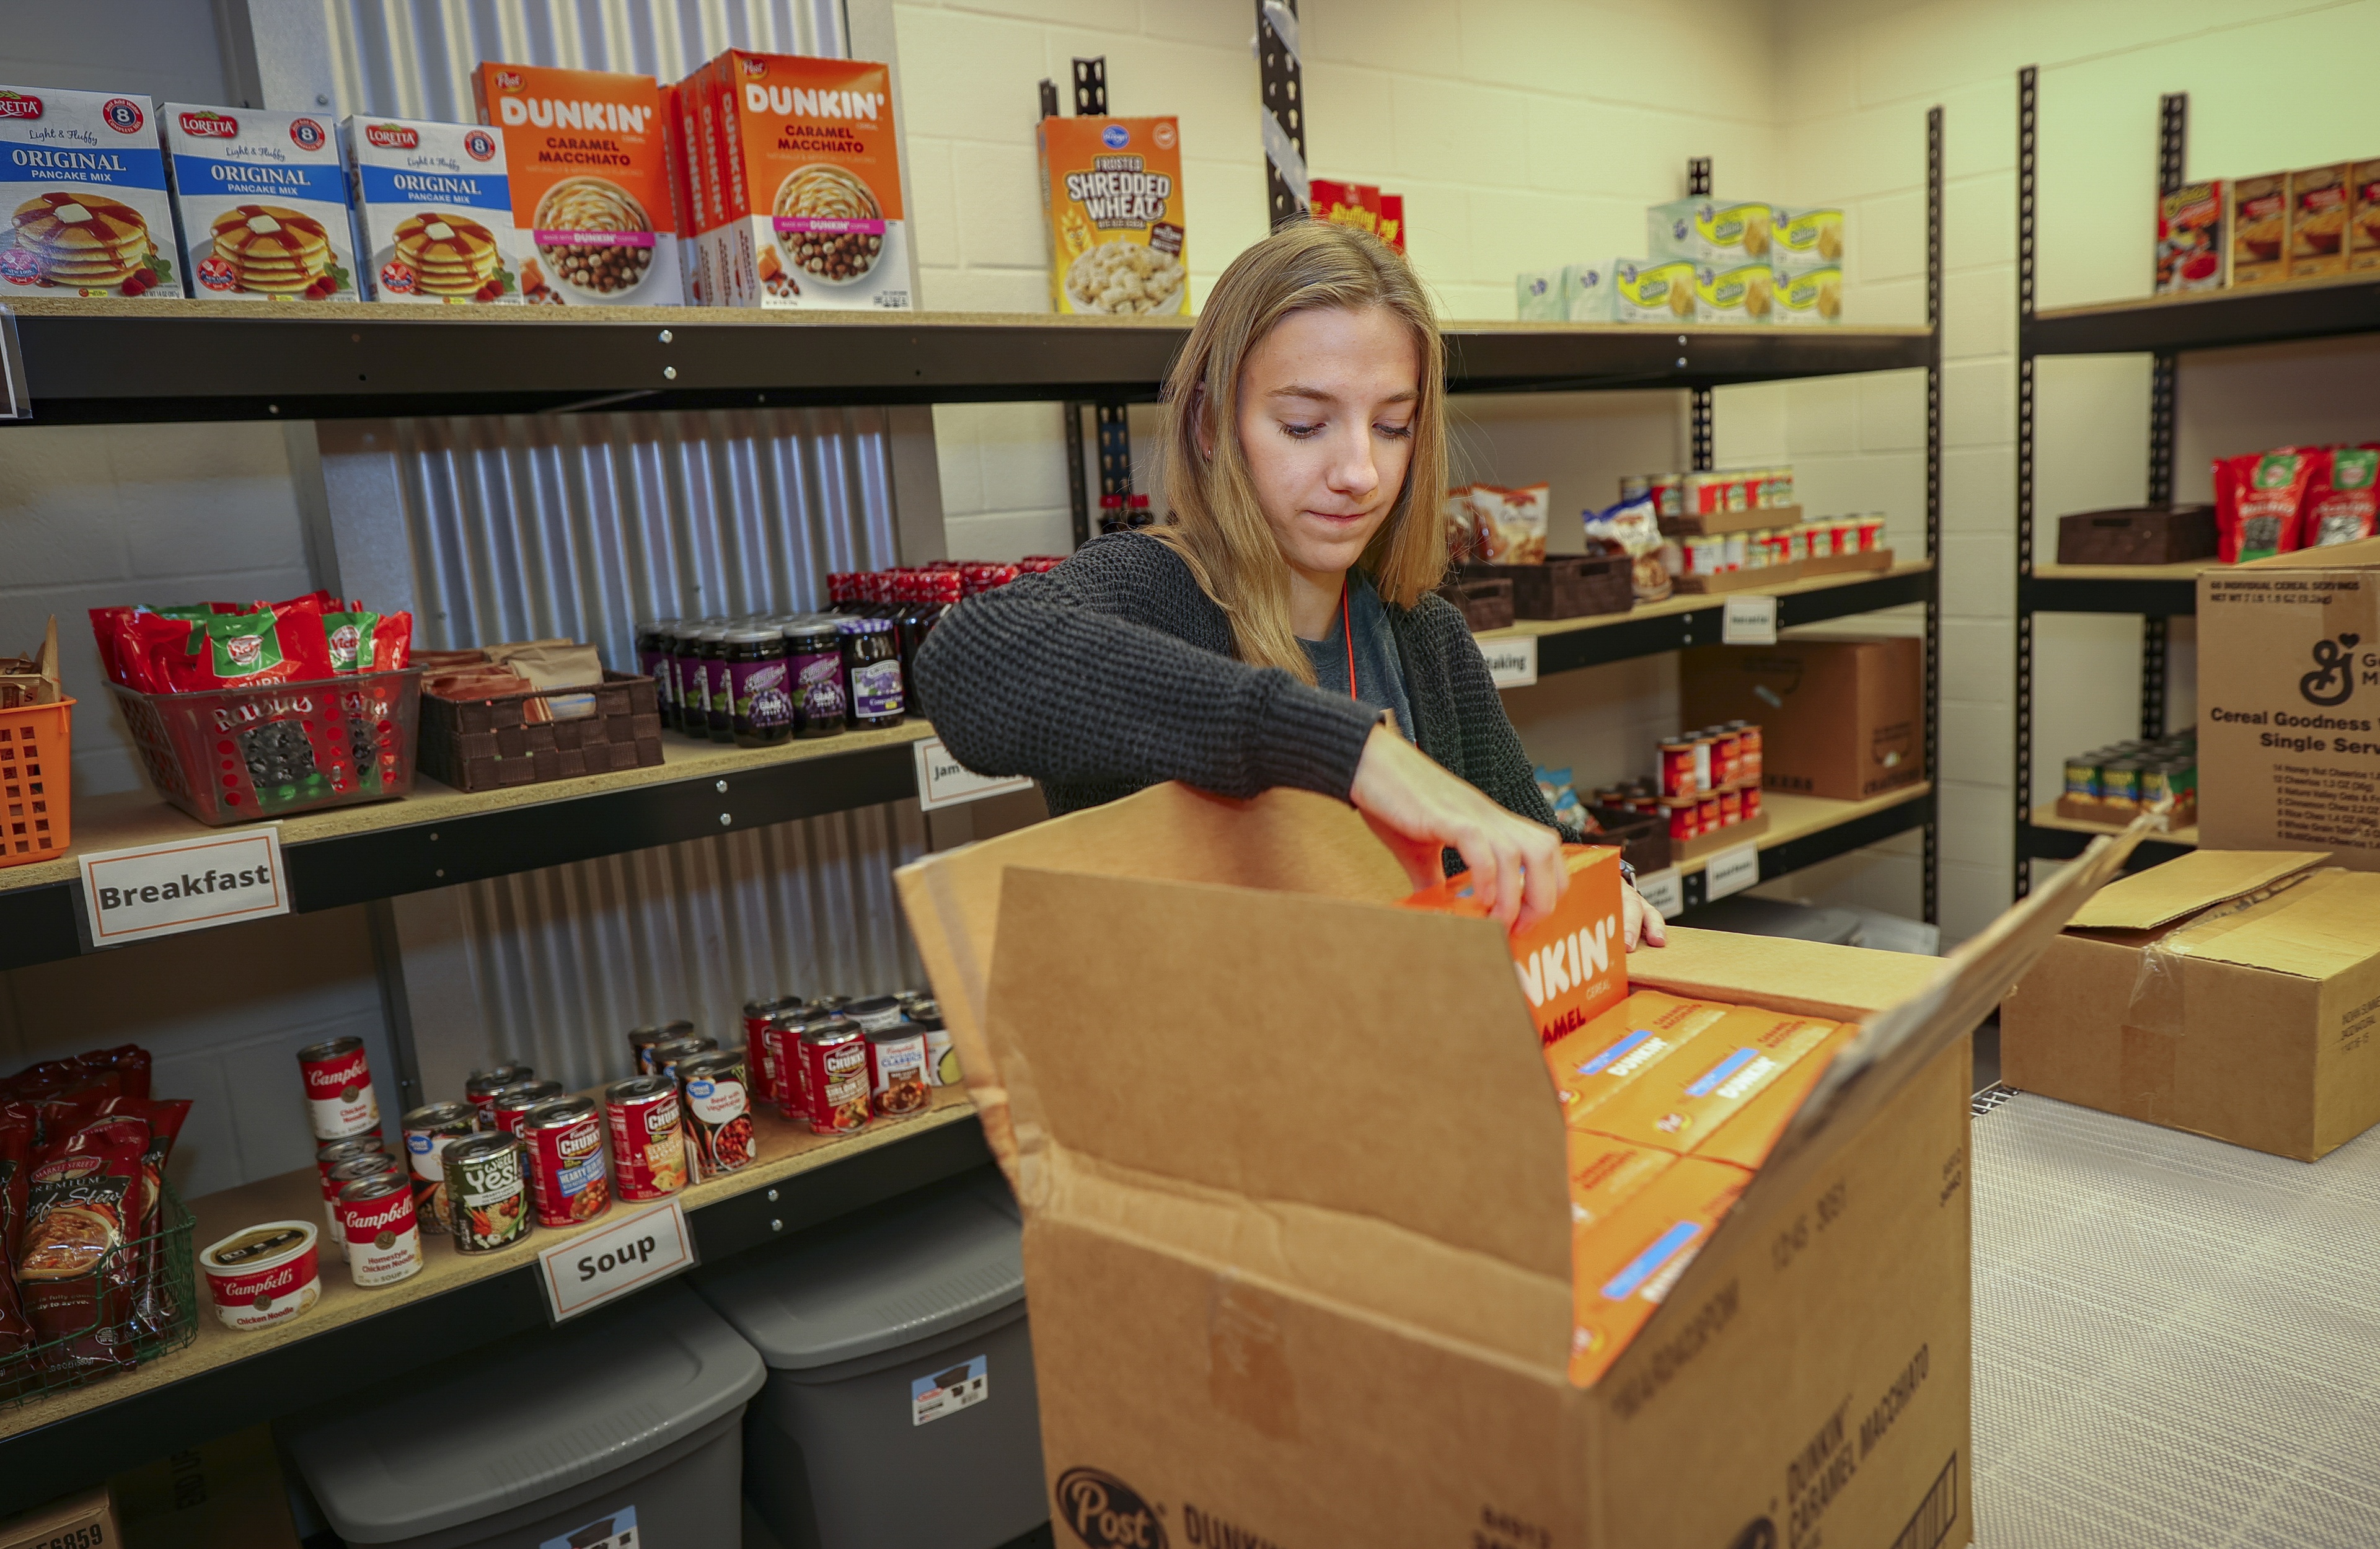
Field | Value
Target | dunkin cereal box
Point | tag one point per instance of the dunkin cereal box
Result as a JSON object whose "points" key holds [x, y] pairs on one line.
{"points": [[799, 178], [433, 211], [263, 199], [1112, 187], [588, 166], [83, 180]]}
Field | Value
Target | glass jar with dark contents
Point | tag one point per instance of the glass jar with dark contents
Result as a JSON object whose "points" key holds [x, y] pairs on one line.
{"points": [[814, 663], [690, 690], [761, 696], [872, 672], [718, 717], [654, 660]]}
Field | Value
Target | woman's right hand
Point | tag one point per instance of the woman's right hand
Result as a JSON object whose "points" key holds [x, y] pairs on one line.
{"points": [[1419, 809]]}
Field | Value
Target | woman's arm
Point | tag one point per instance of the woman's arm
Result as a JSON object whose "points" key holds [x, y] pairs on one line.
{"points": [[1074, 677]]}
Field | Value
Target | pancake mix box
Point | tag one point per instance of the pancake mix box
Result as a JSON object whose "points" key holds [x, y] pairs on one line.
{"points": [[263, 199], [83, 180], [433, 212], [797, 180], [589, 163], [1114, 188]]}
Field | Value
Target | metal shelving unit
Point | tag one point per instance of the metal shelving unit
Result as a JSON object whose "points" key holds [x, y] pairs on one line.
{"points": [[2167, 328]]}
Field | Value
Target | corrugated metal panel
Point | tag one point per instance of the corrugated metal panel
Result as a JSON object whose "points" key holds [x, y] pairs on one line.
{"points": [[579, 526]]}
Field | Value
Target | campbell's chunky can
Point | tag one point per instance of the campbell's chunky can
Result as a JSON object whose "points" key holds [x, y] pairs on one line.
{"points": [[383, 1236], [717, 1102], [428, 1132], [836, 1098], [371, 1164], [339, 1098], [648, 1139], [487, 1187], [760, 1062], [568, 1176], [783, 1038], [481, 1088], [896, 1071], [641, 1047], [514, 1102], [263, 1275], [669, 1051]]}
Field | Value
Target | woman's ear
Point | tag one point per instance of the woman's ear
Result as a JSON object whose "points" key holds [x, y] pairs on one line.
{"points": [[1201, 422]]}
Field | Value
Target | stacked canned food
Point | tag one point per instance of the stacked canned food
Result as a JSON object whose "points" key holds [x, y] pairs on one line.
{"points": [[838, 1064], [2117, 782], [1767, 548], [1712, 493], [1708, 782]]}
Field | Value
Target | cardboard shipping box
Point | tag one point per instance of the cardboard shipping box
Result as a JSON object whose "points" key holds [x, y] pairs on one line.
{"points": [[2288, 703], [1296, 1228], [1840, 715], [88, 1518], [2229, 993]]}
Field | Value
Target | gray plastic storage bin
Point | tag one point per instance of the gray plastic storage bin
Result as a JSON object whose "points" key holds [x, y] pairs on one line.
{"points": [[900, 1410], [1749, 916], [617, 1431]]}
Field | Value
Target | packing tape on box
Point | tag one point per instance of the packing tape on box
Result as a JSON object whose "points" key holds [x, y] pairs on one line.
{"points": [[2156, 1017]]}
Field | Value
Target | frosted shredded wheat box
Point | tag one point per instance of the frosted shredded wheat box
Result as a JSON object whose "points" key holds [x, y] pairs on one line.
{"points": [[264, 202], [83, 178], [1113, 189]]}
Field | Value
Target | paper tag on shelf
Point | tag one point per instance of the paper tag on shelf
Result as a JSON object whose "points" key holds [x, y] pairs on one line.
{"points": [[160, 890], [584, 1271], [1749, 621], [16, 400], [1730, 870], [1664, 889], [944, 781], [1512, 659]]}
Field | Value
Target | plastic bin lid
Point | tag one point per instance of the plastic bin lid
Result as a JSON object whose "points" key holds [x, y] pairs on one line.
{"points": [[520, 1421], [902, 1275], [1749, 916]]}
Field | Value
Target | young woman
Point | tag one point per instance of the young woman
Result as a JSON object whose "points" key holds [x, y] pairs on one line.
{"points": [[1284, 631]]}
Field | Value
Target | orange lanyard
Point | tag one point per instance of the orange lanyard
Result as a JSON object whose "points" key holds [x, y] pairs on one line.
{"points": [[1347, 624]]}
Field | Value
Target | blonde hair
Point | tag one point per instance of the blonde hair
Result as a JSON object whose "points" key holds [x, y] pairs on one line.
{"points": [[1221, 531]]}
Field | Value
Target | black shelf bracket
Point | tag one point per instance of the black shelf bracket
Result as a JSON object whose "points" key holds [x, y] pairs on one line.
{"points": [[1698, 176], [1115, 466], [1078, 493], [1932, 846], [1048, 98], [1092, 88], [1698, 182], [2165, 386], [1288, 193], [2028, 108]]}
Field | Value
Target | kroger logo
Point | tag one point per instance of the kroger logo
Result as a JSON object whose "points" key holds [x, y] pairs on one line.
{"points": [[1106, 1513], [1115, 137]]}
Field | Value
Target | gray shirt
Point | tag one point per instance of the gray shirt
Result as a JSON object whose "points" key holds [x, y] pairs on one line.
{"points": [[1379, 681]]}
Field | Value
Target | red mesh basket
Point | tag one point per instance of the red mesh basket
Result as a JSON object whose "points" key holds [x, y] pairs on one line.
{"points": [[236, 755]]}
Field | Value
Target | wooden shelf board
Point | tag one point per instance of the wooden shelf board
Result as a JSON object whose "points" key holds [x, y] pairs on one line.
{"points": [[1679, 603]]}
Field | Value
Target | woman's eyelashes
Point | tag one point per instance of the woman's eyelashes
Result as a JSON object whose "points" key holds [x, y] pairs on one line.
{"points": [[1395, 432], [1299, 433], [1306, 432]]}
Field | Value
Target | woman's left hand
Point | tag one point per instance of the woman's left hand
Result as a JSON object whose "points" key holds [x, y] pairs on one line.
{"points": [[1644, 921]]}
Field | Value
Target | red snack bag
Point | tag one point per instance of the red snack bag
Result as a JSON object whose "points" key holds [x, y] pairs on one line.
{"points": [[2257, 500], [2342, 499], [392, 642], [284, 644], [74, 1283], [152, 1302], [130, 1061], [15, 1162]]}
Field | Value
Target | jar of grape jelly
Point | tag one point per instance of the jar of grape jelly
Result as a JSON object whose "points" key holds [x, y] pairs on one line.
{"points": [[762, 707], [871, 671], [814, 662]]}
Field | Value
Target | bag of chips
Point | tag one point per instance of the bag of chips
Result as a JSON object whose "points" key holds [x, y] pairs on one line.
{"points": [[2342, 504], [282, 643], [152, 1302], [75, 1282], [1508, 525], [2257, 500], [1633, 528]]}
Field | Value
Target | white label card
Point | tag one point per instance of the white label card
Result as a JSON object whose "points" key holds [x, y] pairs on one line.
{"points": [[584, 1271], [1664, 889], [957, 1386], [1512, 659], [944, 781], [1730, 870], [160, 890], [1749, 621]]}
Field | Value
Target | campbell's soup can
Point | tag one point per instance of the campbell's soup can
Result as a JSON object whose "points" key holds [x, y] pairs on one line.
{"points": [[648, 1137], [784, 1042], [382, 1234], [486, 1189], [1747, 749], [481, 1088], [1731, 808], [567, 1175], [265, 1275], [1708, 817], [371, 1164], [428, 1132], [834, 1077], [1727, 752], [514, 1102], [339, 1098], [1678, 767], [1751, 802], [876, 1013], [1684, 819], [760, 1062], [896, 1072]]}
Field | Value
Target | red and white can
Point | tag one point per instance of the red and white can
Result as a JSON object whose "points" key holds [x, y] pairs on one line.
{"points": [[382, 1234], [339, 1098], [1747, 751], [759, 1063], [896, 1072], [1731, 808], [1708, 819], [1684, 819], [1727, 753], [1751, 802], [1678, 767], [833, 1056], [513, 1102], [783, 1038], [371, 1164], [265, 1275], [567, 1173], [648, 1137], [481, 1088]]}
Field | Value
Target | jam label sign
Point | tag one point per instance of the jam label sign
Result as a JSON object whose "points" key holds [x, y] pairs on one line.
{"points": [[946, 1392], [1511, 659], [616, 1531], [944, 781], [587, 1269], [159, 890], [1730, 870], [16, 402], [1749, 621]]}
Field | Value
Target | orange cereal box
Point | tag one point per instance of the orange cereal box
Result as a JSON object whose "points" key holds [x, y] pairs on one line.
{"points": [[801, 175], [1574, 963], [1606, 1173], [1112, 187], [589, 157], [1716, 1075], [1592, 1063], [1622, 1266], [1748, 1137]]}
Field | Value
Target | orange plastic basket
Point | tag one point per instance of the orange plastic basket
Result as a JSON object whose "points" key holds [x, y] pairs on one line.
{"points": [[35, 787]]}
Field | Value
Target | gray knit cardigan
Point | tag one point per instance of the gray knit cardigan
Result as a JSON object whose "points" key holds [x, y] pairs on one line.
{"points": [[1114, 671]]}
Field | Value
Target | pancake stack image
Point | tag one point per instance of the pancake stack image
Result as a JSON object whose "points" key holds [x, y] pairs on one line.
{"points": [[271, 249], [84, 240], [449, 255]]}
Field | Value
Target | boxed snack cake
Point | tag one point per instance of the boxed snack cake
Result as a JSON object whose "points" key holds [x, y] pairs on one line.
{"points": [[84, 181], [263, 199], [589, 165], [433, 212]]}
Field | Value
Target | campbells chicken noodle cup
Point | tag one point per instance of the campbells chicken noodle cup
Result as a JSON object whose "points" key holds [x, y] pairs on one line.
{"points": [[265, 1275], [1574, 963], [1113, 191], [83, 181], [590, 172], [433, 212], [1593, 1063], [1743, 294], [1704, 1084], [1622, 1267], [1808, 298], [809, 172], [263, 204], [1748, 1137], [1652, 292]]}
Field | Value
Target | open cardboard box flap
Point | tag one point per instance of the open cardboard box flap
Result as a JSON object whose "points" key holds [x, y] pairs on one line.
{"points": [[1202, 1024], [2363, 554], [2186, 885]]}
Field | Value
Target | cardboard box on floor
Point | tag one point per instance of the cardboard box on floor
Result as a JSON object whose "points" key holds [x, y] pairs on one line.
{"points": [[2288, 703], [1297, 1232], [2229, 993], [1840, 715]]}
